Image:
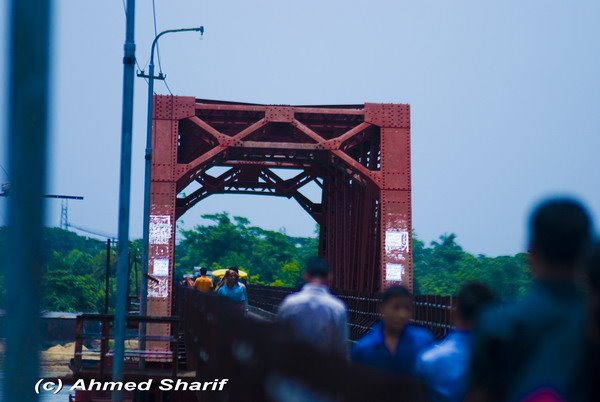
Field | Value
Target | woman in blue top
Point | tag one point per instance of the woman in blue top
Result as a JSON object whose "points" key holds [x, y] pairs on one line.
{"points": [[393, 344]]}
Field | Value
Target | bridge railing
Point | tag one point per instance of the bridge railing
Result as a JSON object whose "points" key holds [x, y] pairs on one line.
{"points": [[96, 331], [430, 311], [262, 361]]}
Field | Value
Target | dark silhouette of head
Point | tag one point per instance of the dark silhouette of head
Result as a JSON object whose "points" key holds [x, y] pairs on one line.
{"points": [[317, 270], [236, 269], [396, 308], [203, 271], [560, 232], [470, 300]]}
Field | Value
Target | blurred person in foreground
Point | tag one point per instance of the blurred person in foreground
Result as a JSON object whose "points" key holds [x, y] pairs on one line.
{"points": [[393, 344], [444, 367], [531, 350], [232, 291], [591, 368], [313, 314], [203, 283]]}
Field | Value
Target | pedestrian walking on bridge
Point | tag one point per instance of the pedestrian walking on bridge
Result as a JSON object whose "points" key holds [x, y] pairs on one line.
{"points": [[393, 344], [232, 291], [314, 315], [203, 283], [243, 286]]}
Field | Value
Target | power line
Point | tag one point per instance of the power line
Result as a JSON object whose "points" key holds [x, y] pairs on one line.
{"points": [[91, 231], [167, 85], [156, 34], [160, 70]]}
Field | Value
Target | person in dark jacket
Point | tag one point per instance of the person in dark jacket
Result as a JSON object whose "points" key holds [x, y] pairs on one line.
{"points": [[530, 350]]}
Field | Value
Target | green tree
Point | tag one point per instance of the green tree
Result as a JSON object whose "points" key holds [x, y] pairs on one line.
{"points": [[75, 267], [444, 266], [264, 254], [289, 275]]}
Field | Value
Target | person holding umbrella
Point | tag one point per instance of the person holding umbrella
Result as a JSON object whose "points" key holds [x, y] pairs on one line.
{"points": [[233, 291]]}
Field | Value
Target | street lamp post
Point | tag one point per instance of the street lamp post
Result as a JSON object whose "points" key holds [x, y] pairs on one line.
{"points": [[148, 172]]}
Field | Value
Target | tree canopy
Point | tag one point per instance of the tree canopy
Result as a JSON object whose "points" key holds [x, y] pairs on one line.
{"points": [[444, 266], [270, 257], [75, 268]]}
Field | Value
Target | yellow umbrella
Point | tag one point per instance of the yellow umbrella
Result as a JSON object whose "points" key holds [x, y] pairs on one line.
{"points": [[219, 273]]}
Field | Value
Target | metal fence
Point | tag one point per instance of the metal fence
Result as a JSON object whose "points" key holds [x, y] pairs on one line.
{"points": [[262, 361], [432, 312], [97, 331]]}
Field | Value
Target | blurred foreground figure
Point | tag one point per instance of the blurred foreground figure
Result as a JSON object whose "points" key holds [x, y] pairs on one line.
{"points": [[444, 367], [314, 314], [591, 369], [532, 350], [393, 344]]}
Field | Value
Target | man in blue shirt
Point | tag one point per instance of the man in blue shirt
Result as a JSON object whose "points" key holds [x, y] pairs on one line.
{"points": [[232, 291], [393, 344], [241, 285], [444, 367]]}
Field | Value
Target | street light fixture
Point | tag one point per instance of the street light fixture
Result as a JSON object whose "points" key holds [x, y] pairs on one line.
{"points": [[148, 171]]}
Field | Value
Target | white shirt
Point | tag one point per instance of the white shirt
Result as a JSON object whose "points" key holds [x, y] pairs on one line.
{"points": [[317, 317]]}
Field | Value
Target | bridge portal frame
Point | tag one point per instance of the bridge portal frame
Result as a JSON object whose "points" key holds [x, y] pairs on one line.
{"points": [[358, 154]]}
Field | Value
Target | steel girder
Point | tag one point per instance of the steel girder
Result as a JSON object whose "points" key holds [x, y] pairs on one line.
{"points": [[252, 179], [358, 154]]}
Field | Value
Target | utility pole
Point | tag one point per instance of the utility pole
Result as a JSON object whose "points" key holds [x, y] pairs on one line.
{"points": [[64, 214], [107, 277], [27, 132], [148, 180], [124, 198]]}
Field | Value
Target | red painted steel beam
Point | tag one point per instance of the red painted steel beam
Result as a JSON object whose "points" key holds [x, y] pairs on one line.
{"points": [[358, 154], [279, 145], [245, 180], [358, 110]]}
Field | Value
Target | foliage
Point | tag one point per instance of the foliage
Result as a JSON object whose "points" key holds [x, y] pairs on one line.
{"points": [[269, 257], [75, 269], [74, 274], [444, 266]]}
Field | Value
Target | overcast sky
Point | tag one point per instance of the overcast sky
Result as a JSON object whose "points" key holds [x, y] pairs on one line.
{"points": [[505, 99]]}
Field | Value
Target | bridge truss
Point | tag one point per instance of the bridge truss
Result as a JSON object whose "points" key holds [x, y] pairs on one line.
{"points": [[359, 155]]}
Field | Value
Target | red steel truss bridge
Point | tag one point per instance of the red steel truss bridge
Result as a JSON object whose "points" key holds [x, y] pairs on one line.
{"points": [[359, 155]]}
